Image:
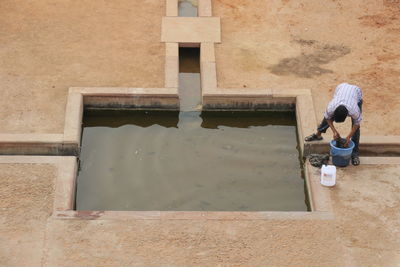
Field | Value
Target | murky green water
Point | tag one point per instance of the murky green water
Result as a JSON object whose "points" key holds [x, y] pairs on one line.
{"points": [[188, 160], [226, 161]]}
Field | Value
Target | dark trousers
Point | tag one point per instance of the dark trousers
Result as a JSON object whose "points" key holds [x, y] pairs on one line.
{"points": [[355, 138]]}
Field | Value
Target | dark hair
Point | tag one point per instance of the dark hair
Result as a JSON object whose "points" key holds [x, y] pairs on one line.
{"points": [[340, 113]]}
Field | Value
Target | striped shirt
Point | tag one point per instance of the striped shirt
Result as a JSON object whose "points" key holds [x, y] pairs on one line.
{"points": [[349, 96]]}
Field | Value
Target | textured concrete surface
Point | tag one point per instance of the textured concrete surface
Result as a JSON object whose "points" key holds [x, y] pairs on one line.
{"points": [[26, 199], [48, 46], [316, 45], [191, 30], [364, 231]]}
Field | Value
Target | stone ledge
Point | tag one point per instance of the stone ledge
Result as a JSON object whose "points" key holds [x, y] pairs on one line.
{"points": [[171, 49], [31, 159], [318, 195], [205, 8], [123, 91], [35, 144], [31, 138], [191, 29], [259, 98], [120, 97], [208, 77], [246, 102], [380, 160], [165, 102], [369, 146], [306, 121], [207, 52], [240, 92], [64, 197], [39, 149], [73, 118], [171, 71], [192, 215]]}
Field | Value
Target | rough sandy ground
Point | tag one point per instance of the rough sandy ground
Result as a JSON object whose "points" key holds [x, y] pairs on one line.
{"points": [[366, 205], [26, 200], [48, 46], [363, 233], [317, 45]]}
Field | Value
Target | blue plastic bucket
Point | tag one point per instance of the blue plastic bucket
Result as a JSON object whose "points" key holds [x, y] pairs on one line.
{"points": [[341, 156]]}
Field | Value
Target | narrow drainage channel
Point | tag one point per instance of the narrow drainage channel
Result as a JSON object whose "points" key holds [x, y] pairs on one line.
{"points": [[188, 8], [189, 79], [189, 88]]}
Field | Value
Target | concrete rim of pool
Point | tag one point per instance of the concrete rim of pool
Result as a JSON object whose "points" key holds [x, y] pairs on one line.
{"points": [[168, 99], [189, 64]]}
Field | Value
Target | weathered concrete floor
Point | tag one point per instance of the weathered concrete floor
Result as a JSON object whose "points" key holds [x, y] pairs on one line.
{"points": [[48, 46], [364, 232], [316, 45]]}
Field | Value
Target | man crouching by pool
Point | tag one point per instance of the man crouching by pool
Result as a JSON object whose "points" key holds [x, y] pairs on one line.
{"points": [[347, 101]]}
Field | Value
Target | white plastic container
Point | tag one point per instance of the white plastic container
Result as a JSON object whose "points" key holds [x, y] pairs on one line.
{"points": [[328, 175]]}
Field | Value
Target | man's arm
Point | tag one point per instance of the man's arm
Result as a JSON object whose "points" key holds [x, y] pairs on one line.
{"points": [[353, 130], [336, 135]]}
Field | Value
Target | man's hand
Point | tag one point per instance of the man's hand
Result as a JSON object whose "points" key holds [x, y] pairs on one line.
{"points": [[336, 135], [346, 144], [348, 138]]}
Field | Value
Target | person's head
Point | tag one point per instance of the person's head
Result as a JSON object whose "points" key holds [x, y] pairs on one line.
{"points": [[340, 113]]}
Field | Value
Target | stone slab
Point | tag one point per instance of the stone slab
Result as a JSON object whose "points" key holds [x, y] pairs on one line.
{"points": [[35, 144], [171, 49], [205, 8], [191, 30], [380, 160], [171, 71], [190, 215], [38, 149], [123, 91], [246, 102], [381, 139], [73, 118], [165, 102], [64, 198], [369, 146], [207, 52], [208, 77], [31, 159], [318, 195], [172, 8], [243, 92], [306, 120], [31, 138]]}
